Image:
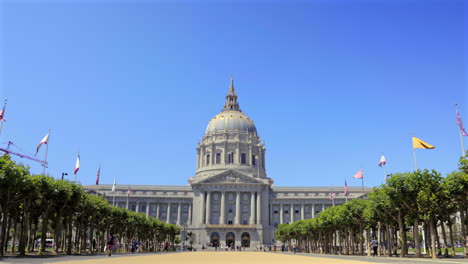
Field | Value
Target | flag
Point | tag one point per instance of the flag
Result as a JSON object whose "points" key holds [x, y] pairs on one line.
{"points": [[45, 140], [459, 122], [332, 195], [382, 161], [2, 113], [359, 175], [77, 165], [417, 143], [113, 186], [346, 189], [128, 192], [98, 175]]}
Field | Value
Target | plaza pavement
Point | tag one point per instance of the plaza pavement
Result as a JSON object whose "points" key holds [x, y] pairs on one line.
{"points": [[211, 257]]}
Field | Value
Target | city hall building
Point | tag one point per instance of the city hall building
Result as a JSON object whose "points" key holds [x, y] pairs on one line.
{"points": [[230, 200]]}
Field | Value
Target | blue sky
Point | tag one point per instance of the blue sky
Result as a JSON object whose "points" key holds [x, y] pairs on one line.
{"points": [[330, 84]]}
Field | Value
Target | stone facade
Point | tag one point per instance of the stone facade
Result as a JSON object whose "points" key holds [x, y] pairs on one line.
{"points": [[230, 200]]}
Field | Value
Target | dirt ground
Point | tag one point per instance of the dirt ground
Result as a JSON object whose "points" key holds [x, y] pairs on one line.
{"points": [[215, 258]]}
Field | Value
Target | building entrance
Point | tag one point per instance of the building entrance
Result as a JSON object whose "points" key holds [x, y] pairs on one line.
{"points": [[214, 239], [230, 239], [245, 239]]}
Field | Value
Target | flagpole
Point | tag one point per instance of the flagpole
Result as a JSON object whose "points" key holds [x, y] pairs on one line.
{"points": [[46, 152], [362, 186], [385, 173], [461, 134], [415, 161]]}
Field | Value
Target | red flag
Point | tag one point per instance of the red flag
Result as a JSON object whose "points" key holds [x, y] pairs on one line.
{"points": [[359, 175], [346, 189], [98, 175], [128, 192], [77, 165]]}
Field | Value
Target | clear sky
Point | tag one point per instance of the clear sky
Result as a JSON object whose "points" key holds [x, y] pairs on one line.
{"points": [[330, 84]]}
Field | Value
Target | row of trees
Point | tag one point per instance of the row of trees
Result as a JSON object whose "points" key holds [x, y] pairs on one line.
{"points": [[408, 205], [33, 206]]}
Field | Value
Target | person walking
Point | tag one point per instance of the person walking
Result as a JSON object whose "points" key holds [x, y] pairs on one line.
{"points": [[375, 246], [110, 244]]}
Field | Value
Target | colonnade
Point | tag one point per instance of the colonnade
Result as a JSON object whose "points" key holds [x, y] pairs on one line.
{"points": [[170, 206], [291, 209], [255, 216]]}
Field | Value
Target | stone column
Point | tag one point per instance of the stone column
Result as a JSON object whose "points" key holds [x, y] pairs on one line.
{"points": [[302, 211], [281, 213], [157, 210], [313, 210], [168, 216], [179, 214], [148, 204], [259, 208], [222, 213], [252, 208], [291, 214], [202, 208], [137, 209], [189, 218], [237, 219], [213, 155], [208, 208]]}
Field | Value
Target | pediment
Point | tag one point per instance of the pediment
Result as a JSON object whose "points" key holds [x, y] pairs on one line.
{"points": [[231, 177]]}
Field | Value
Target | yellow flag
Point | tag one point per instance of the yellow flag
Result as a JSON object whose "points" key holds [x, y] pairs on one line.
{"points": [[417, 143]]}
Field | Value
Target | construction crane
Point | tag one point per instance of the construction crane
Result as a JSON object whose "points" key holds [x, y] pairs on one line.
{"points": [[21, 155]]}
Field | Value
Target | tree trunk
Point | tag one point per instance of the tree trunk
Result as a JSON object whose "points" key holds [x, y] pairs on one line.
{"points": [[43, 235], [433, 237], [444, 237], [452, 241], [368, 244], [417, 248], [22, 240], [438, 244], [389, 241], [463, 231], [69, 236], [401, 224], [13, 238]]}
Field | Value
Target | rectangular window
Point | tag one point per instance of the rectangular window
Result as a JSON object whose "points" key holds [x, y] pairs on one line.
{"points": [[229, 222], [276, 212], [230, 210], [297, 211], [134, 208], [218, 158], [245, 222], [230, 158], [243, 158], [143, 208], [254, 162], [208, 159]]}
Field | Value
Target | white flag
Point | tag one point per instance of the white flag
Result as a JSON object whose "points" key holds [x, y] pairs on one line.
{"points": [[45, 140], [77, 165]]}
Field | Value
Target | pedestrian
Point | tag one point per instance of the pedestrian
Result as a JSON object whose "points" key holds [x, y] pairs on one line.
{"points": [[375, 246], [110, 244], [395, 248]]}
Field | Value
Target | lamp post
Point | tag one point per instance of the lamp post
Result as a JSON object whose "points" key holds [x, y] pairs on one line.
{"points": [[64, 174]]}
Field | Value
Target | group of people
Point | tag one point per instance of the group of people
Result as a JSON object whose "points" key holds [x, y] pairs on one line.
{"points": [[112, 245]]}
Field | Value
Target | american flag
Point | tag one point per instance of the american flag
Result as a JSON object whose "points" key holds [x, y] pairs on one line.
{"points": [[346, 189], [128, 192], [359, 175], [98, 175], [459, 122]]}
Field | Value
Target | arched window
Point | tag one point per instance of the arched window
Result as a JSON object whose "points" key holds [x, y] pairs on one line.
{"points": [[218, 158]]}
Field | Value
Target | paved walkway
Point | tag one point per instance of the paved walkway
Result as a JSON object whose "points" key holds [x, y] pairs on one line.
{"points": [[226, 258]]}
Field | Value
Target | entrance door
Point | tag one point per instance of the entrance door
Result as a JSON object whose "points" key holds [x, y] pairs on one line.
{"points": [[230, 239], [245, 239], [214, 239]]}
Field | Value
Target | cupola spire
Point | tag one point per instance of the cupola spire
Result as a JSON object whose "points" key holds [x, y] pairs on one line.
{"points": [[231, 99]]}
